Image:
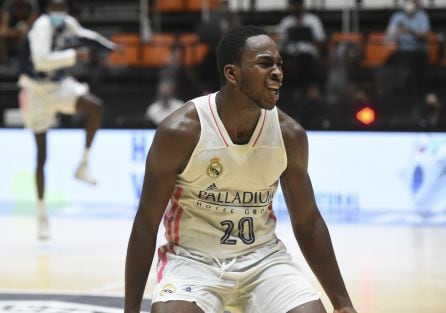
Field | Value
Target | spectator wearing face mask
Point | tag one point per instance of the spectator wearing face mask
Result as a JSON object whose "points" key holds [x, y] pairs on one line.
{"points": [[409, 29]]}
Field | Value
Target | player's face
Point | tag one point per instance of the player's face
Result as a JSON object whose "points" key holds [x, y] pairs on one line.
{"points": [[261, 72]]}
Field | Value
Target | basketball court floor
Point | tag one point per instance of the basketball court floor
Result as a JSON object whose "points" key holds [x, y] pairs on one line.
{"points": [[387, 268]]}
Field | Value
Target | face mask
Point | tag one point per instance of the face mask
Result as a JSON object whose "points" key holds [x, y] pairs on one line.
{"points": [[57, 18], [409, 7]]}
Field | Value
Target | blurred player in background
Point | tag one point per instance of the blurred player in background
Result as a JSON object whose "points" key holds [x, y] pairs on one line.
{"points": [[53, 46]]}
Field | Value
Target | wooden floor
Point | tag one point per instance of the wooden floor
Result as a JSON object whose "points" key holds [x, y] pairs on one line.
{"points": [[388, 269]]}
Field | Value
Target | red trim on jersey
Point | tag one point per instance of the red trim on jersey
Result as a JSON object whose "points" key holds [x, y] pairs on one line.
{"points": [[167, 218], [271, 213], [215, 120], [169, 215], [177, 225], [162, 254], [261, 128]]}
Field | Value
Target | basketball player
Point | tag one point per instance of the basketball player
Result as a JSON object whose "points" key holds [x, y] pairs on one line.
{"points": [[219, 159], [48, 89]]}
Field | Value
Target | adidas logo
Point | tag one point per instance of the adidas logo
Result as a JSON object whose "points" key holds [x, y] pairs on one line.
{"points": [[212, 187]]}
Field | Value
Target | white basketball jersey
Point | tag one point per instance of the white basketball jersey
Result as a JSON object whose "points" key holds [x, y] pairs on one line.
{"points": [[222, 202]]}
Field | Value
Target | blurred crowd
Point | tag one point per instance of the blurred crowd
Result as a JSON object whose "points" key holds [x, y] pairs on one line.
{"points": [[321, 90], [16, 18]]}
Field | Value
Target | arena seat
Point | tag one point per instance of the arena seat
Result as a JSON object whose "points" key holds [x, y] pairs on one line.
{"points": [[341, 37], [433, 48], [338, 37], [377, 49], [193, 50], [198, 5], [157, 52], [170, 5], [130, 50]]}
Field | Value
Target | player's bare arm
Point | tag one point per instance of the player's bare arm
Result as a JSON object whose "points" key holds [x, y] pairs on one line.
{"points": [[172, 146], [309, 228]]}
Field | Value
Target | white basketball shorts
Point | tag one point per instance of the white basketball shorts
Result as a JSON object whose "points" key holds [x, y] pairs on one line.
{"points": [[40, 102], [266, 280]]}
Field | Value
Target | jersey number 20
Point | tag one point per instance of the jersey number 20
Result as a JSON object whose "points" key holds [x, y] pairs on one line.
{"points": [[245, 231]]}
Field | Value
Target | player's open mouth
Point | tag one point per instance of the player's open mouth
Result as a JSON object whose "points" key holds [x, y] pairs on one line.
{"points": [[274, 87]]}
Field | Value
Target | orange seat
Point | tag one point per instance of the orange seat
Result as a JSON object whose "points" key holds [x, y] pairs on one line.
{"points": [[158, 51], [170, 5], [378, 49], [338, 37], [130, 50], [198, 5], [193, 50], [433, 48]]}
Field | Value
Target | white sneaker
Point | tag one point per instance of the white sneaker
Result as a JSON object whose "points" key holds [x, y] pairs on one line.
{"points": [[43, 230], [83, 173]]}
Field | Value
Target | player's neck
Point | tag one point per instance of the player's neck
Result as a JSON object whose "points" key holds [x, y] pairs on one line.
{"points": [[240, 119]]}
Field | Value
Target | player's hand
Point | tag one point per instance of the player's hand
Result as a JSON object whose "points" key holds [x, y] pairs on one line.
{"points": [[347, 309], [83, 54]]}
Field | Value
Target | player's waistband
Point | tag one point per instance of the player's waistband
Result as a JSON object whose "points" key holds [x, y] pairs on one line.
{"points": [[236, 261]]}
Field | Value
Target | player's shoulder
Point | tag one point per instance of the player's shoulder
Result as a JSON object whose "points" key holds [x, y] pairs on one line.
{"points": [[291, 129], [70, 20], [289, 126], [181, 125], [43, 21]]}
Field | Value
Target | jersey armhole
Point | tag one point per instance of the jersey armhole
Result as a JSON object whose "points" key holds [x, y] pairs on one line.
{"points": [[196, 148]]}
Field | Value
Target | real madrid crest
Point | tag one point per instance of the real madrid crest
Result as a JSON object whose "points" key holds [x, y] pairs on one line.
{"points": [[168, 289], [215, 168]]}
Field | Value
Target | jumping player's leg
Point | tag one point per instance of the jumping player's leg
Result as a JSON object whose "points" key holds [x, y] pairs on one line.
{"points": [[91, 106], [73, 97], [43, 229], [175, 306], [38, 116]]}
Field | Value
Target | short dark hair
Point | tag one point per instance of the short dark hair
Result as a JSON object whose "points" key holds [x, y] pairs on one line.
{"points": [[231, 45]]}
